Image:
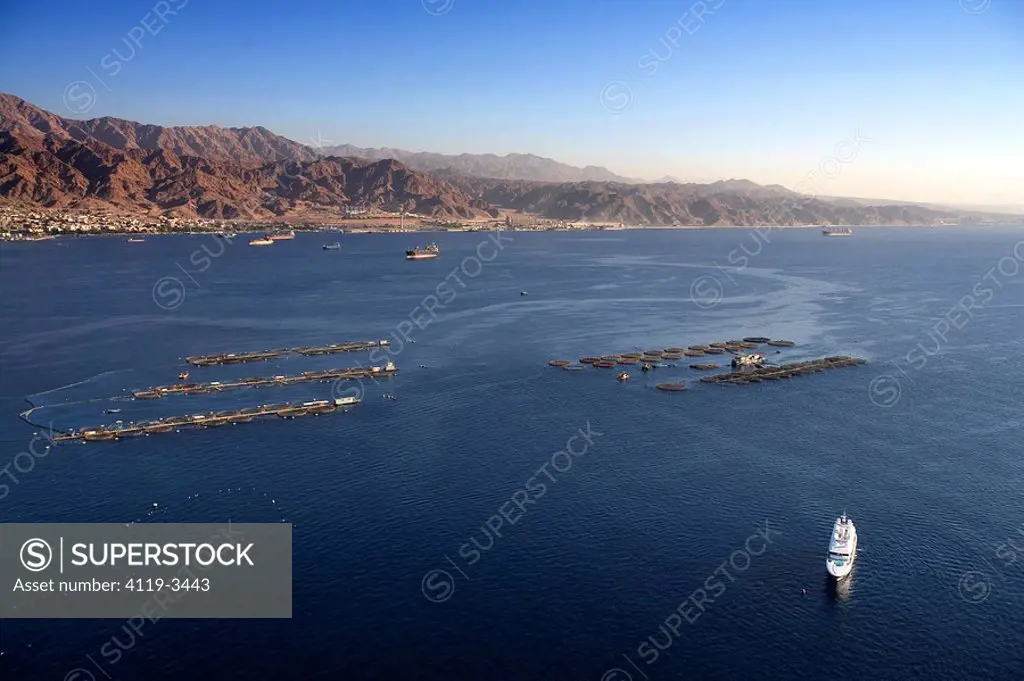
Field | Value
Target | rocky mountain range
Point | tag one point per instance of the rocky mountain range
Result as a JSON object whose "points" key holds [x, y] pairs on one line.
{"points": [[728, 202], [213, 172], [508, 167], [252, 173]]}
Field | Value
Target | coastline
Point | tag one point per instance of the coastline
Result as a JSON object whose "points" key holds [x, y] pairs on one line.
{"points": [[250, 230]]}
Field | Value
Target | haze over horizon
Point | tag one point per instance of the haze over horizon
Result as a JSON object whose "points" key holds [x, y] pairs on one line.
{"points": [[934, 89]]}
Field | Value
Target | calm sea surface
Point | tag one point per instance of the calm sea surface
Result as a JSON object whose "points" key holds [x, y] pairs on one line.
{"points": [[674, 545]]}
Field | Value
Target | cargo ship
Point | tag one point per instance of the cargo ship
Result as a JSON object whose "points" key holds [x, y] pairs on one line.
{"points": [[418, 253], [837, 231]]}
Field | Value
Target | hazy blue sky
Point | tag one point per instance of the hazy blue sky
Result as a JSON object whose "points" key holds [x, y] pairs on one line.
{"points": [[758, 89]]}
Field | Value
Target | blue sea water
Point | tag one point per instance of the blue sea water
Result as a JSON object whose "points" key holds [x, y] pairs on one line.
{"points": [[676, 545]]}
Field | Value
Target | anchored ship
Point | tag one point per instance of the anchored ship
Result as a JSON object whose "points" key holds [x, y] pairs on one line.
{"points": [[281, 236], [419, 253], [837, 231], [332, 247], [842, 548], [261, 242]]}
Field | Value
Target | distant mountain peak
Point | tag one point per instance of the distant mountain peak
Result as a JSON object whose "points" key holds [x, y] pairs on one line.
{"points": [[111, 163], [513, 166]]}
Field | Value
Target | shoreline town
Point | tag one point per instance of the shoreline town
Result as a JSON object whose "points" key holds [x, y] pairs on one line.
{"points": [[33, 224]]}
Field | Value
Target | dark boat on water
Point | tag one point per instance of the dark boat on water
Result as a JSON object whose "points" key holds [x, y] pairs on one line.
{"points": [[332, 247], [418, 253]]}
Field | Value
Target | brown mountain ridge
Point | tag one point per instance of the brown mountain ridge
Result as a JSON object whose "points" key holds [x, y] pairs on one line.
{"points": [[113, 164], [53, 162]]}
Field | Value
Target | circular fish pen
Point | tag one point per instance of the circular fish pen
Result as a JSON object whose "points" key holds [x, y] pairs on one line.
{"points": [[704, 367], [715, 351], [633, 355], [674, 351], [589, 360], [627, 360], [604, 365], [694, 353], [672, 356], [718, 344], [756, 339], [559, 363], [781, 343], [671, 387]]}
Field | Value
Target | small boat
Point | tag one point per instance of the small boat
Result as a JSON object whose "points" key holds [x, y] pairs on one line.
{"points": [[261, 242], [111, 411], [135, 240], [623, 376], [842, 548], [281, 236], [332, 247], [431, 251], [523, 293], [754, 360], [645, 367], [183, 376]]}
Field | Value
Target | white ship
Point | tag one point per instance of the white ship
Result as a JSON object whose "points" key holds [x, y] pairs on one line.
{"points": [[748, 361], [842, 548]]}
